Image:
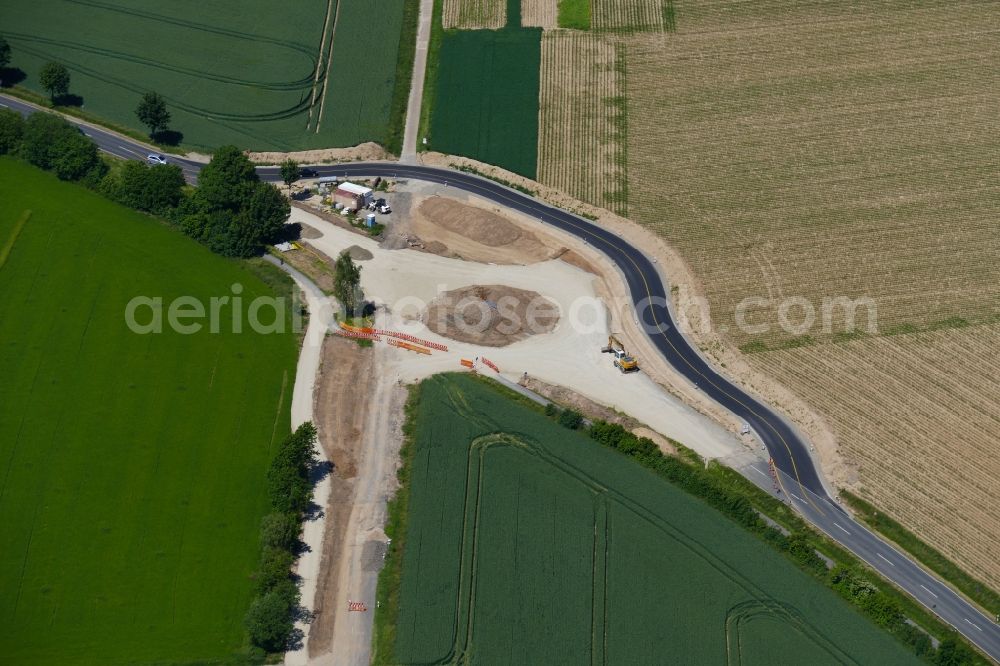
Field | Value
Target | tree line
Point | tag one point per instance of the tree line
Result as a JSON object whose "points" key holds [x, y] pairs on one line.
{"points": [[270, 622], [231, 211]]}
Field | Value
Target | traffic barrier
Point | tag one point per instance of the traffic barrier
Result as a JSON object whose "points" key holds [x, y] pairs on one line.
{"points": [[410, 338], [467, 363], [406, 345], [358, 606], [357, 329], [345, 333], [489, 364]]}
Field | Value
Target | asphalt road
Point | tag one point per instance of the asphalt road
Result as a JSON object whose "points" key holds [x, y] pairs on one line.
{"points": [[797, 475]]}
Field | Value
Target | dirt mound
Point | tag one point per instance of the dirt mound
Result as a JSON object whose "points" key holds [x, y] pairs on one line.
{"points": [[359, 253], [491, 315], [474, 223]]}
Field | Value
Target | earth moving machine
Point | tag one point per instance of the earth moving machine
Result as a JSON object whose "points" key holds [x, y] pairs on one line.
{"points": [[623, 361]]}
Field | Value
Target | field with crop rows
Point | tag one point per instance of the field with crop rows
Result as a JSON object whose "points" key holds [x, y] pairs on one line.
{"points": [[263, 76], [486, 97], [920, 413], [582, 122], [132, 467], [540, 13], [627, 16], [530, 543], [849, 152], [474, 14]]}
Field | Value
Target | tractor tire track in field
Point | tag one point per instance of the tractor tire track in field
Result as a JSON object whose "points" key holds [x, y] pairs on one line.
{"points": [[161, 18], [324, 72], [476, 471], [9, 245], [157, 64], [281, 114]]}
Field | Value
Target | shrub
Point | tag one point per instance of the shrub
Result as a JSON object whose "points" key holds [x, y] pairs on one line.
{"points": [[269, 620], [275, 567], [11, 131], [279, 530], [571, 419]]}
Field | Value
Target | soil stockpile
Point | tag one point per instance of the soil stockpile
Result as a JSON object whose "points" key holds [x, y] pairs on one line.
{"points": [[491, 315]]}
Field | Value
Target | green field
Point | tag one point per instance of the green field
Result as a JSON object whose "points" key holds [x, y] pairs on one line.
{"points": [[132, 467], [242, 73], [528, 543], [485, 95]]}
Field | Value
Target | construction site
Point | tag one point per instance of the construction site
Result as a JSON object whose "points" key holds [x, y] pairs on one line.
{"points": [[529, 306]]}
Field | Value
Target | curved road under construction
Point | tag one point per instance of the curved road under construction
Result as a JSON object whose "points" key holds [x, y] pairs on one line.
{"points": [[796, 472]]}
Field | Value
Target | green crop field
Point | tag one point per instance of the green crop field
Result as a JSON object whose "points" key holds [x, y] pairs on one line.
{"points": [[528, 543], [247, 73], [485, 99], [132, 467]]}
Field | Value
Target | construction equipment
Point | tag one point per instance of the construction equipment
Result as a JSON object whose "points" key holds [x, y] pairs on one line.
{"points": [[623, 361]]}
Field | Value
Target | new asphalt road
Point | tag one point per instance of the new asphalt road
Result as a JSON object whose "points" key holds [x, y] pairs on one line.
{"points": [[796, 473]]}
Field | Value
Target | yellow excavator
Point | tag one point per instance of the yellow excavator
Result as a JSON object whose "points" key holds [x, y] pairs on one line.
{"points": [[623, 361]]}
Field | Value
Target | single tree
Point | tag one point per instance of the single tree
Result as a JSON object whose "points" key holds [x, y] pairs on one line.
{"points": [[347, 283], [269, 621], [290, 172], [4, 53], [54, 78], [152, 112]]}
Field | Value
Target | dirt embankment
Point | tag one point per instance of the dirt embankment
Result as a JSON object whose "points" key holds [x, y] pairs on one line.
{"points": [[365, 152], [343, 388], [491, 315]]}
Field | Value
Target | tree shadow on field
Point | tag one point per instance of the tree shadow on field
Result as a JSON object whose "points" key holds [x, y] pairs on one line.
{"points": [[69, 99], [289, 232], [168, 137], [11, 76]]}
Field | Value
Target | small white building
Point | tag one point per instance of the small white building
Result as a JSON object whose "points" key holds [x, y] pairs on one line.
{"points": [[352, 196]]}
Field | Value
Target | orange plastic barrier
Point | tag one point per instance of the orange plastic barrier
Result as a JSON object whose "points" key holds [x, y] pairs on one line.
{"points": [[488, 363], [346, 333], [357, 329], [407, 345], [410, 338], [467, 363]]}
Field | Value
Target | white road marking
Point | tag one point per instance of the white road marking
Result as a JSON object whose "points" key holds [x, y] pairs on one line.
{"points": [[4, 106], [796, 496], [972, 623], [885, 558], [842, 529], [758, 471], [929, 591]]}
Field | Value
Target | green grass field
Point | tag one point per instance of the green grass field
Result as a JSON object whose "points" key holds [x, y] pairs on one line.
{"points": [[132, 467], [485, 102], [241, 73], [529, 543]]}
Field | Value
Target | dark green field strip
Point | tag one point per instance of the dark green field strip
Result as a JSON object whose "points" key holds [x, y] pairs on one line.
{"points": [[546, 575], [486, 97], [132, 466]]}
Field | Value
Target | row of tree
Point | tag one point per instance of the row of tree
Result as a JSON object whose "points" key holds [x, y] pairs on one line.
{"points": [[270, 621], [231, 211]]}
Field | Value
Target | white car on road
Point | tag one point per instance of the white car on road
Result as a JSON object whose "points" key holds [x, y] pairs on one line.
{"points": [[156, 158]]}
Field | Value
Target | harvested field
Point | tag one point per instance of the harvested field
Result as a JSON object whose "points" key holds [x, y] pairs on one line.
{"points": [[491, 315], [540, 13], [850, 151], [581, 118], [920, 413], [474, 14], [626, 16]]}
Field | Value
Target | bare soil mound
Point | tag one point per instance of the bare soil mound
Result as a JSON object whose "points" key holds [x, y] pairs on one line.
{"points": [[475, 224], [491, 315], [359, 253]]}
